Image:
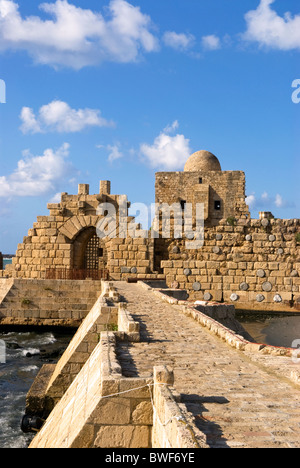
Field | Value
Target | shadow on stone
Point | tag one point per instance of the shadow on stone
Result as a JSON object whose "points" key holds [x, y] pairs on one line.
{"points": [[196, 405]]}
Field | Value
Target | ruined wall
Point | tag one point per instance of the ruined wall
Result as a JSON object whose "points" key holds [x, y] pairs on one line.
{"points": [[58, 241], [253, 263]]}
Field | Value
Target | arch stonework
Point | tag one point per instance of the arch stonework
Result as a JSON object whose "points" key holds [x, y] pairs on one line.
{"points": [[54, 241], [73, 227]]}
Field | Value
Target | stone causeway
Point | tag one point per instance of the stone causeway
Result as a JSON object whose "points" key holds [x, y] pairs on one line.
{"points": [[148, 370]]}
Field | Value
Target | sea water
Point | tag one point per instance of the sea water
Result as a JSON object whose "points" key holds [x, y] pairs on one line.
{"points": [[6, 261], [281, 330], [25, 353]]}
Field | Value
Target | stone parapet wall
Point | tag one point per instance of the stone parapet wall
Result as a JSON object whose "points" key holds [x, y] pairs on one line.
{"points": [[49, 388], [89, 404], [103, 409], [171, 427], [100, 408], [257, 262]]}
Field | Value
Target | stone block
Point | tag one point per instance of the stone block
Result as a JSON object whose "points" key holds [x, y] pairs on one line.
{"points": [[113, 411], [123, 437]]}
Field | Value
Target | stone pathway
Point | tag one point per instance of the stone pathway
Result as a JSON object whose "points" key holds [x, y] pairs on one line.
{"points": [[235, 402]]}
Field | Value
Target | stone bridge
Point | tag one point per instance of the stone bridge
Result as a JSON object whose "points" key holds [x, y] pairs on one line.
{"points": [[188, 380]]}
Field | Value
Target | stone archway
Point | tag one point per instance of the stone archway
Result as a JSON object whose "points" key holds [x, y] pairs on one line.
{"points": [[89, 252]]}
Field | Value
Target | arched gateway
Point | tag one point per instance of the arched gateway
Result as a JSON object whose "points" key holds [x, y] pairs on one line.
{"points": [[89, 252], [65, 245]]}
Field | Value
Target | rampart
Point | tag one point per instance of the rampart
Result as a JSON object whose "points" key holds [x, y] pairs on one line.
{"points": [[253, 264]]}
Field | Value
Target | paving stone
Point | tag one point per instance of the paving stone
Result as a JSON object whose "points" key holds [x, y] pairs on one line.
{"points": [[237, 399]]}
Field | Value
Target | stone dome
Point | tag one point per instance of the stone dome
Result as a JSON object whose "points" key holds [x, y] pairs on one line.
{"points": [[202, 161]]}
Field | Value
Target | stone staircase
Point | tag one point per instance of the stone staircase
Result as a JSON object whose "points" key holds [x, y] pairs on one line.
{"points": [[47, 302]]}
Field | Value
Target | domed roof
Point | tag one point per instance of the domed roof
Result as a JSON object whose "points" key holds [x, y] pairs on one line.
{"points": [[202, 161]]}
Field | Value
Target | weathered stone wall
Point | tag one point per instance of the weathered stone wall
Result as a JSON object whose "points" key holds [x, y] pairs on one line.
{"points": [[100, 408], [46, 302], [254, 263], [103, 409], [171, 428], [228, 187], [53, 381], [58, 241]]}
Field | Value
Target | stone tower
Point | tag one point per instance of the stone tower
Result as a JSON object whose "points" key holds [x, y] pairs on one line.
{"points": [[203, 181]]}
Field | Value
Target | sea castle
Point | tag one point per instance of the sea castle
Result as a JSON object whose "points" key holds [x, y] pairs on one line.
{"points": [[155, 316]]}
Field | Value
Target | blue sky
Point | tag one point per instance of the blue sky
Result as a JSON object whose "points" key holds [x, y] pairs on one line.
{"points": [[119, 90]]}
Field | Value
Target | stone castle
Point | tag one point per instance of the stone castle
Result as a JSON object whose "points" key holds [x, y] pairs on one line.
{"points": [[159, 359], [253, 263]]}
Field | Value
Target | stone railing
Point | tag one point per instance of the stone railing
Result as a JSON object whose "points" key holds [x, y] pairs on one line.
{"points": [[170, 427], [127, 324], [53, 380], [103, 409]]}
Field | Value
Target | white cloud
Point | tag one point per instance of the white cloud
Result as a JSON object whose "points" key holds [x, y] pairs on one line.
{"points": [[171, 128], [56, 198], [211, 42], [77, 37], [114, 152], [36, 175], [267, 202], [167, 152], [251, 201], [268, 29], [58, 116], [178, 41], [279, 202]]}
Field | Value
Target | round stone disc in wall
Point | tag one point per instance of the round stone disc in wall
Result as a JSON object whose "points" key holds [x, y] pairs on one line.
{"points": [[267, 286], [234, 297], [187, 272], [207, 296], [261, 273], [175, 249], [244, 286], [134, 270], [280, 251], [294, 273], [248, 237], [260, 297], [216, 249], [196, 286], [272, 238], [277, 298], [219, 237], [265, 222]]}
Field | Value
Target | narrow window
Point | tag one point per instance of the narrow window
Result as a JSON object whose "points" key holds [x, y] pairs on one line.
{"points": [[182, 204], [217, 205], [200, 180]]}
